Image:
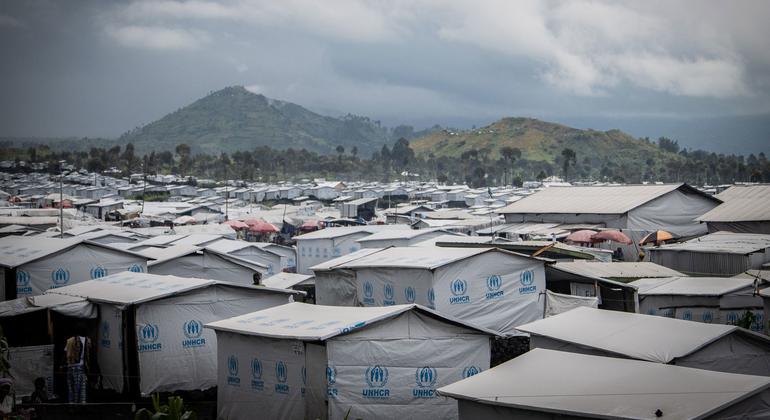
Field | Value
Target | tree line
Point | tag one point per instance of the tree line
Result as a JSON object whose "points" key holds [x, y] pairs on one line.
{"points": [[477, 168]]}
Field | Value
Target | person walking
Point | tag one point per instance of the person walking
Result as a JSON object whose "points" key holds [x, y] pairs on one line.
{"points": [[77, 355]]}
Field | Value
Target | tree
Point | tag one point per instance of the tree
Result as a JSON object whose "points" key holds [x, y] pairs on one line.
{"points": [[668, 145], [354, 151], [183, 151], [569, 159], [402, 154], [128, 158], [510, 155]]}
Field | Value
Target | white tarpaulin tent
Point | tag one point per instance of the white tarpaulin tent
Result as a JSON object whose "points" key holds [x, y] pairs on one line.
{"points": [[309, 361], [723, 348], [162, 318], [323, 245], [547, 384], [274, 257], [718, 300], [192, 261], [485, 286], [39, 264], [287, 280]]}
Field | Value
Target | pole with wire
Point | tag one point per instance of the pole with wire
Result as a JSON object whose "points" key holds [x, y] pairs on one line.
{"points": [[61, 200]]}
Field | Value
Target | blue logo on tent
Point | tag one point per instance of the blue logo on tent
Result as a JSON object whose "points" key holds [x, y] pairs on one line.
{"points": [[759, 322], [60, 277], [732, 317], [104, 341], [256, 375], [368, 293], [409, 294], [470, 371], [668, 313], [98, 272], [494, 283], [136, 268], [336, 252], [388, 291], [458, 288], [431, 297], [426, 377], [281, 373], [22, 283], [331, 375], [376, 376], [708, 317], [527, 279], [232, 371], [148, 337], [687, 315], [193, 330]]}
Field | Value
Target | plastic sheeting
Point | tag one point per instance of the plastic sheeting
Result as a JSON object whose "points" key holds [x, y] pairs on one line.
{"points": [[175, 351], [259, 378], [208, 266], [109, 353], [78, 264], [30, 363], [336, 288], [384, 287], [556, 303]]}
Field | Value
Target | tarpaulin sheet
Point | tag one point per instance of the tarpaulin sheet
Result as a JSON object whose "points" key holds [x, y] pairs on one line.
{"points": [[557, 303], [175, 351], [81, 263], [389, 286], [390, 377], [28, 364], [260, 378], [109, 352], [491, 290]]}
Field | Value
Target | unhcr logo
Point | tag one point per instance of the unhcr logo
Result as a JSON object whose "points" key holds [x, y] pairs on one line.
{"points": [[193, 330], [257, 383], [458, 288], [388, 292], [494, 283], [232, 371], [470, 371], [148, 337], [376, 378], [60, 277], [105, 331], [425, 378], [22, 283], [331, 378], [527, 279], [708, 317], [368, 293], [98, 272], [281, 373], [409, 294], [431, 298], [687, 315], [136, 268]]}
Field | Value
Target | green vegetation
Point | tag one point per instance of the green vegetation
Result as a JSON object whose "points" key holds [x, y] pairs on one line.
{"points": [[174, 410]]}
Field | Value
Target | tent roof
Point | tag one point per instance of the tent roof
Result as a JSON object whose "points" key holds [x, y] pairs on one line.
{"points": [[29, 304], [285, 280], [692, 286], [401, 234], [607, 387], [742, 203], [721, 243], [197, 239], [614, 270], [335, 262], [128, 288], [161, 255], [415, 257], [593, 200], [338, 232], [307, 322], [16, 251], [645, 337]]}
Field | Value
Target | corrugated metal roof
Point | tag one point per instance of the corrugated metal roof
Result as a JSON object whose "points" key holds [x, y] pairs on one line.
{"points": [[596, 200], [742, 203], [616, 270]]}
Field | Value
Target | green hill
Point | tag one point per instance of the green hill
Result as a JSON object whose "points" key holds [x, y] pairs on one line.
{"points": [[235, 119], [537, 140]]}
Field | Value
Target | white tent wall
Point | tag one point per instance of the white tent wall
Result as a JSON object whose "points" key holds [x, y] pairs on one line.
{"points": [[336, 288], [468, 290], [612, 221], [259, 256], [402, 348], [80, 263], [311, 252], [183, 354], [29, 363], [393, 286], [674, 212], [726, 310], [400, 242], [701, 263], [288, 255], [109, 348], [316, 390], [250, 382], [206, 266], [733, 353]]}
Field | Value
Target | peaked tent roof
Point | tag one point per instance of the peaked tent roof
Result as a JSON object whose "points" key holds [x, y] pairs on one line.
{"points": [[336, 262], [418, 257], [285, 280], [614, 270], [605, 387], [594, 200], [302, 321], [720, 243], [644, 337], [742, 203], [16, 250], [337, 232], [692, 286]]}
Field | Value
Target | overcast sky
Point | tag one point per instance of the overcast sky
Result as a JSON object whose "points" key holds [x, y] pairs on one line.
{"points": [[99, 68]]}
